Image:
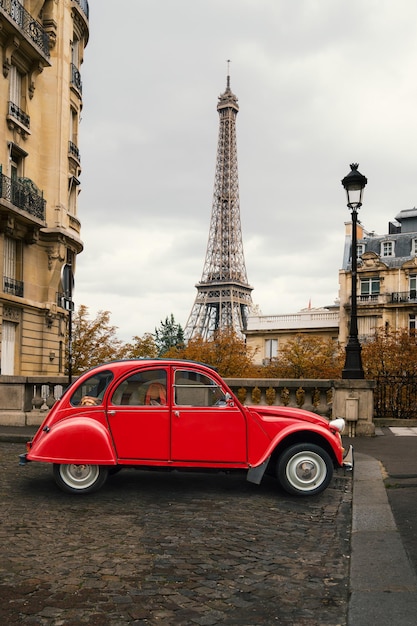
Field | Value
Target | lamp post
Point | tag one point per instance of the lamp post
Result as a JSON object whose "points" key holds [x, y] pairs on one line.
{"points": [[354, 183]]}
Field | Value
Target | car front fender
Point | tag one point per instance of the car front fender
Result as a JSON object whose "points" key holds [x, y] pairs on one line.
{"points": [[74, 440]]}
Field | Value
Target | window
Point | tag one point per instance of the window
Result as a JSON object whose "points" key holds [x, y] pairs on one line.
{"points": [[8, 340], [412, 323], [271, 348], [370, 288], [12, 267], [195, 389], [92, 390], [412, 282], [16, 99], [387, 248], [414, 246], [145, 388], [360, 249]]}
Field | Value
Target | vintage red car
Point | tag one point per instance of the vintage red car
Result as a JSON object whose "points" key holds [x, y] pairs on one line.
{"points": [[180, 414]]}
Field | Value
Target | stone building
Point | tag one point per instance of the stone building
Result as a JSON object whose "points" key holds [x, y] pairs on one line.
{"points": [[42, 46], [268, 333], [387, 278]]}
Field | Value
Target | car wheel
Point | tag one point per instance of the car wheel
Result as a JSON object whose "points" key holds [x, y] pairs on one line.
{"points": [[304, 469], [80, 478]]}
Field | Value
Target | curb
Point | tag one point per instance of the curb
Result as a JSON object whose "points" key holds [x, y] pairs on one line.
{"points": [[383, 584]]}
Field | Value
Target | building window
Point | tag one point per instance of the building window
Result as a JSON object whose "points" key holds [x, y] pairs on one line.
{"points": [[360, 249], [370, 288], [12, 267], [412, 285], [412, 323], [387, 248], [271, 348], [414, 246], [8, 342]]}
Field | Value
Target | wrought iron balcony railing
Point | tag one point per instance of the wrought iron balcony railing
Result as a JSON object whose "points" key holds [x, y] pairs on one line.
{"points": [[73, 150], [404, 296], [24, 194], [18, 114], [24, 20], [76, 78], [13, 286]]}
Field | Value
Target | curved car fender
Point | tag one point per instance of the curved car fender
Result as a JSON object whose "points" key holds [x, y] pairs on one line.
{"points": [[294, 429], [74, 440]]}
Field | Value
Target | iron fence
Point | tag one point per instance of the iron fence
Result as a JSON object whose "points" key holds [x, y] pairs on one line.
{"points": [[396, 397]]}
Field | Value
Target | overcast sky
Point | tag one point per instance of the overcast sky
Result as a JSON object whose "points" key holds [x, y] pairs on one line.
{"points": [[320, 83]]}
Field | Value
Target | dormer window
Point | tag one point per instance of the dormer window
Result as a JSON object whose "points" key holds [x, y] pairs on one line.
{"points": [[387, 248], [414, 246], [360, 249]]}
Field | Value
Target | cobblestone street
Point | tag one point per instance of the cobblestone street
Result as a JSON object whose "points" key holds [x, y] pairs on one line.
{"points": [[170, 548]]}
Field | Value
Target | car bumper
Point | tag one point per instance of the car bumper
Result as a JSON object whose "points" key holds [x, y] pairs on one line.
{"points": [[23, 459], [348, 459]]}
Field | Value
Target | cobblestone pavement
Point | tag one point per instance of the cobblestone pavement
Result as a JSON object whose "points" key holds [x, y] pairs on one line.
{"points": [[170, 548]]}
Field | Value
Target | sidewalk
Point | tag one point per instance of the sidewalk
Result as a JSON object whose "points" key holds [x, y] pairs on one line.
{"points": [[383, 582]]}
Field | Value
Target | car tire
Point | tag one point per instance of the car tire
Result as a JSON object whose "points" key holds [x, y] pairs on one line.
{"points": [[304, 469], [80, 478]]}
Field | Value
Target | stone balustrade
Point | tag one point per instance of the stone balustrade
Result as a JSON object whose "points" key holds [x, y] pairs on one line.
{"points": [[24, 401]]}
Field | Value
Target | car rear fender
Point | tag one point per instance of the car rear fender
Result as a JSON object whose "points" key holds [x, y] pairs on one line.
{"points": [[74, 440]]}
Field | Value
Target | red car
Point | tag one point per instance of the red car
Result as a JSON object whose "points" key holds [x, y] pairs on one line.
{"points": [[180, 414]]}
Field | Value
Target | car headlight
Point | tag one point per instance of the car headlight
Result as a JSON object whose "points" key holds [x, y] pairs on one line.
{"points": [[337, 424]]}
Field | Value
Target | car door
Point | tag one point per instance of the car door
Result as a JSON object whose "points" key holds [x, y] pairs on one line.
{"points": [[139, 416], [206, 426]]}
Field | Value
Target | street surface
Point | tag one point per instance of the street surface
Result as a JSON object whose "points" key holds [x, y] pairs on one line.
{"points": [[169, 548]]}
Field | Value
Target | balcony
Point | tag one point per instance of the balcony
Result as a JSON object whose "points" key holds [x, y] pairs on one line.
{"points": [[83, 4], [16, 113], [32, 29], [13, 286], [403, 297], [73, 151], [23, 194], [76, 78]]}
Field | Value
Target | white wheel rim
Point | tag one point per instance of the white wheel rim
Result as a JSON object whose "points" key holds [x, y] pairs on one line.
{"points": [[79, 476], [306, 471]]}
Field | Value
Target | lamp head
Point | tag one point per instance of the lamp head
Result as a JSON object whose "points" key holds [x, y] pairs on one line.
{"points": [[354, 183]]}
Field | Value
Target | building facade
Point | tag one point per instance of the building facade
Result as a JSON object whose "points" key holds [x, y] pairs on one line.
{"points": [[266, 334], [42, 45], [386, 275]]}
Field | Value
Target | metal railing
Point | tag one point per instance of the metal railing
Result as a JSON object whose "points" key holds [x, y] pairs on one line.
{"points": [[76, 78], [13, 286], [404, 296], [23, 194], [73, 150], [18, 114], [395, 397], [24, 20]]}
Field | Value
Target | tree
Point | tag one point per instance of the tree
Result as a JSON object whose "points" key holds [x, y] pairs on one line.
{"points": [[142, 347], [225, 351], [307, 356], [93, 341], [392, 353], [169, 335]]}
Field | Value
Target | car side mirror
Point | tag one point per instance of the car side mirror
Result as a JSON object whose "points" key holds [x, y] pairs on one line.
{"points": [[229, 399]]}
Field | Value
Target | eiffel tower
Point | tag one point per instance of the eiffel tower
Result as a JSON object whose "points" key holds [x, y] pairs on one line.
{"points": [[223, 294]]}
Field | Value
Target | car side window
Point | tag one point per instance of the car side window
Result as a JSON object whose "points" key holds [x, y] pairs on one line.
{"points": [[195, 389], [91, 391], [144, 388]]}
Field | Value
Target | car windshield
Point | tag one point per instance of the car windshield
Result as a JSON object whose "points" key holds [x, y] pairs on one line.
{"points": [[91, 391]]}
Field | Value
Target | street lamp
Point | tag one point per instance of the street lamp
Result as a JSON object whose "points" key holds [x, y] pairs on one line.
{"points": [[354, 183]]}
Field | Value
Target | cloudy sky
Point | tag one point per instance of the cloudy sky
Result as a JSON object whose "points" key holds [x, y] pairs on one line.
{"points": [[321, 84]]}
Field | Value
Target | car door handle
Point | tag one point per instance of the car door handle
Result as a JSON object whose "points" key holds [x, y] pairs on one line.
{"points": [[176, 413], [112, 412]]}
